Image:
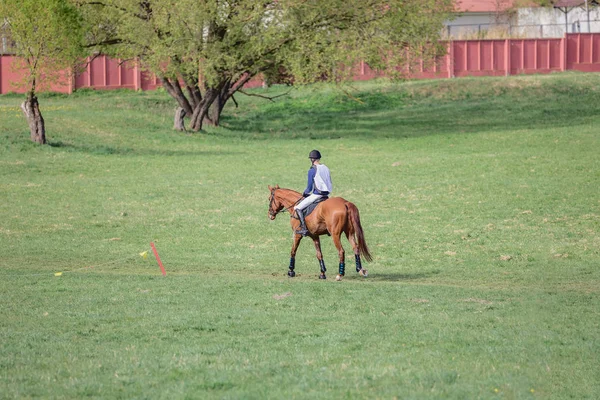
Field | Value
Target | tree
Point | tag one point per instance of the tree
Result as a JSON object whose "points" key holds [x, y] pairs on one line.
{"points": [[48, 40], [204, 51]]}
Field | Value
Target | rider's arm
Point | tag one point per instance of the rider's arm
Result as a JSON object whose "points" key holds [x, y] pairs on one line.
{"points": [[311, 179]]}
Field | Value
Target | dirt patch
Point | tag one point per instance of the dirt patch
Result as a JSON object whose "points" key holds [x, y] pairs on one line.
{"points": [[474, 300], [281, 296]]}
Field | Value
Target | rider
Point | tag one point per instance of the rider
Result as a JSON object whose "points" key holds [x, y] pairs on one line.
{"points": [[319, 183]]}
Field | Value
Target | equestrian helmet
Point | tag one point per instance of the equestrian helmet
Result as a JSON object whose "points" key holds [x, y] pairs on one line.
{"points": [[315, 155]]}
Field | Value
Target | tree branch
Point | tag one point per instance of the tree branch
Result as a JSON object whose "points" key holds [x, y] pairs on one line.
{"points": [[265, 97], [100, 3]]}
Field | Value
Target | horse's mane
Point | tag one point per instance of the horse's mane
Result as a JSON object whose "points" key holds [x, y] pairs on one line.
{"points": [[289, 190], [288, 195]]}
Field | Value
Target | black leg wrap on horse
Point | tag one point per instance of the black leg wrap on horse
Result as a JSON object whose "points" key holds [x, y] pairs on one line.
{"points": [[291, 272], [342, 269], [358, 263], [322, 264]]}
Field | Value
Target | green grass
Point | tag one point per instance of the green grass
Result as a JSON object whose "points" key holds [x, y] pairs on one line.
{"points": [[479, 199]]}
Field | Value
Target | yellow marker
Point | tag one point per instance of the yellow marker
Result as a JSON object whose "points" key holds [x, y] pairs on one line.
{"points": [[144, 255], [57, 273]]}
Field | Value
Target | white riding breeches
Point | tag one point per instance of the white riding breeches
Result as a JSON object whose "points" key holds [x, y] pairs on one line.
{"points": [[307, 201]]}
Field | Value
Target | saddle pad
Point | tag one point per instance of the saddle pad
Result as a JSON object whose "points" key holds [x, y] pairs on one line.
{"points": [[314, 205]]}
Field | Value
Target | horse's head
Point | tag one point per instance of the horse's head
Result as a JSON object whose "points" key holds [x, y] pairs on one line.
{"points": [[275, 204]]}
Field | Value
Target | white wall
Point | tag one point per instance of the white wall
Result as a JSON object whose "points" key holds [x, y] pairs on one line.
{"points": [[534, 22], [550, 22], [469, 24]]}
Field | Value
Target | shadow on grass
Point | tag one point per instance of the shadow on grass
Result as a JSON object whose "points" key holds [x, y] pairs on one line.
{"points": [[400, 114], [392, 277], [128, 151]]}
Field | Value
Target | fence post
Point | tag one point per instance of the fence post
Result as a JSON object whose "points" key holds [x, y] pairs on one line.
{"points": [[479, 55], [562, 53], [523, 56], [592, 37], [89, 71], [71, 76], [548, 57], [507, 56], [104, 71], [535, 55], [120, 69], [466, 60], [493, 56], [579, 48], [137, 75], [450, 57]]}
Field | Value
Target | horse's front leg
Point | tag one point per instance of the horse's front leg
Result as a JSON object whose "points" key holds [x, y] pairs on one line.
{"points": [[320, 257], [295, 244]]}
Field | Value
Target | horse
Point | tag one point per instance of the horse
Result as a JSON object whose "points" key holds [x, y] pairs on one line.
{"points": [[331, 217]]}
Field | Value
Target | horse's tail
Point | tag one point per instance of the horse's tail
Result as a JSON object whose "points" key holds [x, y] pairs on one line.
{"points": [[356, 228]]}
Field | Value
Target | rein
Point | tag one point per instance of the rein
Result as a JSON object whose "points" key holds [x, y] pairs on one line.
{"points": [[283, 209]]}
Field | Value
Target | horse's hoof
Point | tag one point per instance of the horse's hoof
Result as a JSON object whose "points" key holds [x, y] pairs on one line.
{"points": [[291, 274], [338, 277], [364, 273], [322, 276]]}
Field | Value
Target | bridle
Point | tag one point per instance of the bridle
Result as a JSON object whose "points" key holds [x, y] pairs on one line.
{"points": [[272, 199], [271, 213]]}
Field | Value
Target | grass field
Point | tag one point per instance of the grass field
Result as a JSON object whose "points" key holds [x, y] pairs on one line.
{"points": [[479, 199]]}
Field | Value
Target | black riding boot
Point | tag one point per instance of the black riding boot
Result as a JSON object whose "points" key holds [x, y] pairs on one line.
{"points": [[302, 231]]}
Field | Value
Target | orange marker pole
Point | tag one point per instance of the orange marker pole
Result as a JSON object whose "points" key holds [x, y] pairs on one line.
{"points": [[162, 269]]}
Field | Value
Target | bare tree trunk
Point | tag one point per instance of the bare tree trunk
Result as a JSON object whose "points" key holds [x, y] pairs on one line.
{"points": [[175, 91], [227, 91], [215, 114], [31, 109], [217, 106], [201, 110], [179, 119]]}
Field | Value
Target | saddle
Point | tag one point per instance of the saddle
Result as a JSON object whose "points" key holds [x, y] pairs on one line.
{"points": [[314, 205]]}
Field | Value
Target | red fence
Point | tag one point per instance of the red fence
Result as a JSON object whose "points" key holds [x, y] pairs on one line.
{"points": [[580, 52], [101, 72], [106, 73]]}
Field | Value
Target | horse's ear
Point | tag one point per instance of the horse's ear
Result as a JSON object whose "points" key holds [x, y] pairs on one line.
{"points": [[277, 187], [270, 188]]}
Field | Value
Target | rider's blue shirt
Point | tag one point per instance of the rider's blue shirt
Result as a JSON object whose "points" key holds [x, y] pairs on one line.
{"points": [[311, 187]]}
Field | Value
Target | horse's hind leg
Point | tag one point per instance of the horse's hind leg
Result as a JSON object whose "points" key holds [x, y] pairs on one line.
{"points": [[342, 254], [320, 257], [295, 244], [359, 268]]}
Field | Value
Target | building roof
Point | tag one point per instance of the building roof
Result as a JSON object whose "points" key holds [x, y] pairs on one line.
{"points": [[573, 3], [483, 5]]}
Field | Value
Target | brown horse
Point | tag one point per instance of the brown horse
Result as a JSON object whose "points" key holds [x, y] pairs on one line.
{"points": [[332, 217]]}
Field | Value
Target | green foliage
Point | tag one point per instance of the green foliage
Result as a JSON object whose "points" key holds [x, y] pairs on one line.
{"points": [[479, 199], [310, 38], [230, 42], [47, 34]]}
